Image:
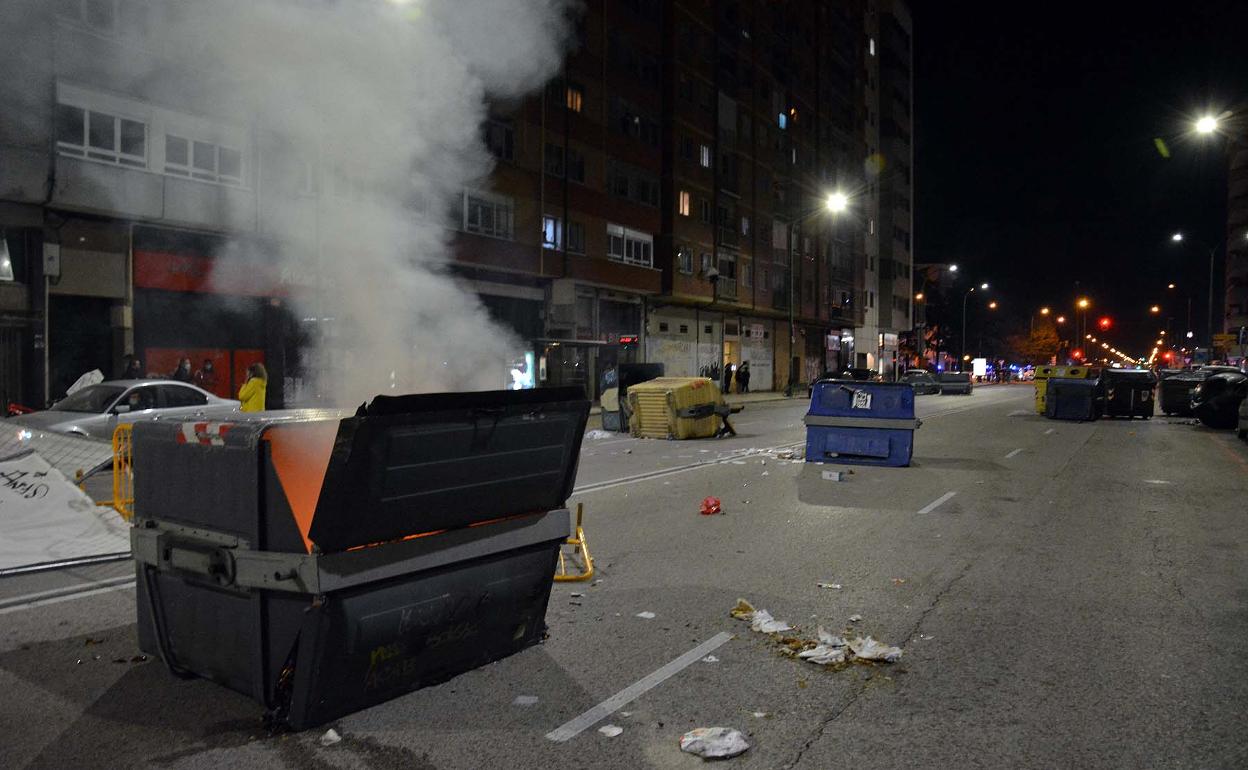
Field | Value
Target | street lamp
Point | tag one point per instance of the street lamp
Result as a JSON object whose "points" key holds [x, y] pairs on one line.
{"points": [[965, 297], [1178, 238], [1155, 309], [992, 305], [835, 203], [1207, 125]]}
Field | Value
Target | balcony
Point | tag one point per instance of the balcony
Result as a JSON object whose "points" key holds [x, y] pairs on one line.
{"points": [[726, 288]]}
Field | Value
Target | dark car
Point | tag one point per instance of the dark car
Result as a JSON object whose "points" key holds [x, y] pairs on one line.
{"points": [[1174, 391], [921, 380], [1216, 401], [952, 383]]}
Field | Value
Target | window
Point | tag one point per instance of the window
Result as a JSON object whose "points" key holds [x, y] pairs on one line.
{"points": [[177, 395], [871, 226], [629, 246], [554, 160], [684, 328], [100, 136], [706, 262], [745, 225], [684, 260], [683, 207], [871, 46], [704, 152], [204, 161], [704, 210], [766, 278], [574, 97], [684, 87], [662, 326], [870, 299], [746, 273], [629, 182], [576, 237], [686, 148], [628, 119], [782, 121], [552, 235], [500, 139], [487, 215]]}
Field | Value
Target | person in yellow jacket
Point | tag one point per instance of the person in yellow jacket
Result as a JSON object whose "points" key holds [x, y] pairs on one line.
{"points": [[252, 392]]}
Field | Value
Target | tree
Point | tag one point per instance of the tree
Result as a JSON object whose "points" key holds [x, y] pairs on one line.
{"points": [[1039, 346]]}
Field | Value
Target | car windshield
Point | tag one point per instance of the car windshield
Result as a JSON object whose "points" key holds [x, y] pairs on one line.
{"points": [[92, 399]]}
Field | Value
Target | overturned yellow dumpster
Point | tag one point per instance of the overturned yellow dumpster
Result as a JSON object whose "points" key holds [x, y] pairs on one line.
{"points": [[1045, 373], [678, 408]]}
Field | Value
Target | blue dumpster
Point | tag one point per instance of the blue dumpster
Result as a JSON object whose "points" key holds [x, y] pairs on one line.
{"points": [[1069, 399], [860, 423]]}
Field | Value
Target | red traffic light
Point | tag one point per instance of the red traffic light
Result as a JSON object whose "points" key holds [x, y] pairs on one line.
{"points": [[1104, 323], [1168, 355], [1077, 354]]}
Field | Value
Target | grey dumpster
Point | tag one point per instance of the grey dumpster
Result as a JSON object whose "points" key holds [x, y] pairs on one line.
{"points": [[324, 565]]}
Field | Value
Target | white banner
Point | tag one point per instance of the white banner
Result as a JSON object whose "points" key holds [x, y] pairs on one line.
{"points": [[45, 517]]}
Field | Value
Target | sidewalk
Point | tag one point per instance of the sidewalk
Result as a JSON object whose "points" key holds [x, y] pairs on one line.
{"points": [[740, 398]]}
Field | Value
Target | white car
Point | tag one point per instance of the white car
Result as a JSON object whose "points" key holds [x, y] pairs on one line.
{"points": [[96, 410]]}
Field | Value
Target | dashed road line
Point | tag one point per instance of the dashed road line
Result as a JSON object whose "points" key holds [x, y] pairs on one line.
{"points": [[579, 724], [1012, 454], [1050, 431], [933, 505]]}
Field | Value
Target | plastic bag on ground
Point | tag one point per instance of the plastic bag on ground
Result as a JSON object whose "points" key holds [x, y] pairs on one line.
{"points": [[759, 620], [714, 742], [869, 649], [830, 650]]}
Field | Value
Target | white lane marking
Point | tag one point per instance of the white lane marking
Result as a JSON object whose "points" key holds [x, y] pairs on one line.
{"points": [[1050, 431], [578, 724], [1011, 454], [933, 505], [65, 598]]}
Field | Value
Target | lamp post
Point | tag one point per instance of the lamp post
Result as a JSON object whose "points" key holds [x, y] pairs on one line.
{"points": [[1031, 321], [965, 297], [835, 203], [1213, 252]]}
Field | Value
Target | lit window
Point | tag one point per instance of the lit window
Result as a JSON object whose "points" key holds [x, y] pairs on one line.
{"points": [[575, 98], [745, 225], [684, 203], [871, 46], [783, 121], [705, 151], [629, 246]]}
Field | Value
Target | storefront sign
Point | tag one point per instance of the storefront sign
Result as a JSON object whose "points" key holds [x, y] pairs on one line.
{"points": [[205, 275]]}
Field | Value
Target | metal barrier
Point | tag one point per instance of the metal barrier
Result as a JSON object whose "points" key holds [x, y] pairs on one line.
{"points": [[580, 552], [123, 471]]}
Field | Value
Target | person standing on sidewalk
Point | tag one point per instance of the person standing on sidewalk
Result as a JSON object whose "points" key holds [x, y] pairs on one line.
{"points": [[727, 378], [252, 392], [743, 378]]}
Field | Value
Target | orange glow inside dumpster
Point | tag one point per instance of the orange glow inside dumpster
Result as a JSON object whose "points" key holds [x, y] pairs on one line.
{"points": [[300, 455]]}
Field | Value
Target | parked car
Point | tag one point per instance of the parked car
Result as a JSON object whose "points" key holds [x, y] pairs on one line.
{"points": [[1216, 401], [921, 380], [952, 383], [96, 410]]}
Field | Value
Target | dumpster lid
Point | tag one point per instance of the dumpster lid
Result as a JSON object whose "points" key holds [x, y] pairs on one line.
{"points": [[403, 459]]}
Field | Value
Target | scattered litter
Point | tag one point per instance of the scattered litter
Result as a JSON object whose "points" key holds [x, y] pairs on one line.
{"points": [[610, 730], [714, 742], [711, 506], [596, 435], [759, 620], [830, 650], [869, 649], [575, 603], [576, 595], [710, 659], [626, 714], [628, 451], [896, 582], [1156, 481], [760, 714], [647, 615], [762, 462], [832, 475], [90, 641], [704, 451], [855, 618], [786, 455], [766, 473], [524, 700], [833, 586], [331, 737], [738, 462], [139, 659]]}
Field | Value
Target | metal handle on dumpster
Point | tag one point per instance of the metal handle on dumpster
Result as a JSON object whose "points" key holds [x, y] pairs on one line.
{"points": [[216, 563]]}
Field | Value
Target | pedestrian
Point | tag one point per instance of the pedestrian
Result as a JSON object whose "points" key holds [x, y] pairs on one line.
{"points": [[206, 377], [743, 378], [132, 369], [252, 392], [183, 372]]}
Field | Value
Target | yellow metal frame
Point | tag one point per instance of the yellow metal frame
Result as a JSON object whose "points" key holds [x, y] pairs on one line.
{"points": [[123, 471], [580, 552]]}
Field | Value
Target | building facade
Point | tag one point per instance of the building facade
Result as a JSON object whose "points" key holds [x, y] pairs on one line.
{"points": [[1236, 305]]}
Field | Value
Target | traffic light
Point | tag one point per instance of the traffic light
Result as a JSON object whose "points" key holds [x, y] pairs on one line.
{"points": [[1076, 354], [1104, 323]]}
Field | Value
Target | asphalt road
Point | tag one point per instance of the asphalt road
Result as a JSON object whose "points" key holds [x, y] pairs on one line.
{"points": [[1066, 595]]}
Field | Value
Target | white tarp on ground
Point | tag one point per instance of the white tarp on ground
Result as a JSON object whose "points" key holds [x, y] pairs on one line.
{"points": [[68, 454], [44, 517]]}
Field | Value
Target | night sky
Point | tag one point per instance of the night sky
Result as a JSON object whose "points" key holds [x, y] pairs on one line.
{"points": [[1035, 159]]}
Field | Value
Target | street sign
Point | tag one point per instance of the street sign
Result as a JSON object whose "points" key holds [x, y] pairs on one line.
{"points": [[1223, 340]]}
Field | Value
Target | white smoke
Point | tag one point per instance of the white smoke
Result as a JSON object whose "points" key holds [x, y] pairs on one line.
{"points": [[386, 97]]}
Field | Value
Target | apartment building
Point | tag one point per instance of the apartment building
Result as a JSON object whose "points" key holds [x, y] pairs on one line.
{"points": [[1236, 306]]}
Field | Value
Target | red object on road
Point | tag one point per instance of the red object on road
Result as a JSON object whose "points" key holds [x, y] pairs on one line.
{"points": [[710, 506]]}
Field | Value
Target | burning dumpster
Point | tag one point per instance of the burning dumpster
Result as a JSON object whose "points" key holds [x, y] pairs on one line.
{"points": [[323, 565]]}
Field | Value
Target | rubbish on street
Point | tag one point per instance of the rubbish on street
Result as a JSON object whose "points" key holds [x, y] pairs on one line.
{"points": [[870, 649], [830, 650], [596, 435], [711, 506], [524, 700], [759, 620], [896, 582], [330, 737], [610, 730], [833, 476], [760, 714], [766, 473], [647, 615], [714, 742], [710, 659], [833, 586], [855, 618], [576, 595]]}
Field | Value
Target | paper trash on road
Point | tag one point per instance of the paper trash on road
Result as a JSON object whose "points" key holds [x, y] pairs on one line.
{"points": [[330, 737], [830, 650], [714, 742], [759, 620], [833, 476], [524, 700], [598, 435], [855, 618], [833, 586], [869, 649], [610, 730], [647, 615]]}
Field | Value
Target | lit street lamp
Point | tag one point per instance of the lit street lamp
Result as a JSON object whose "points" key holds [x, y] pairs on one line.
{"points": [[983, 287], [1207, 125], [835, 203]]}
